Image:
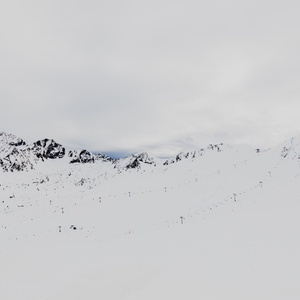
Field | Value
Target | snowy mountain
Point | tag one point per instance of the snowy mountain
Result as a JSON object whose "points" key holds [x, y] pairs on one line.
{"points": [[17, 155], [215, 223]]}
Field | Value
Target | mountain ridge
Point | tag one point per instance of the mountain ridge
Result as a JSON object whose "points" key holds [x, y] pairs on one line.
{"points": [[18, 155]]}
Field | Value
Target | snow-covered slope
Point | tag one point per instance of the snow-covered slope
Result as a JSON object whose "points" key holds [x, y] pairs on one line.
{"points": [[216, 223]]}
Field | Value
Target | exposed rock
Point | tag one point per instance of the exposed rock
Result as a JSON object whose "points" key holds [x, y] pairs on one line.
{"points": [[104, 158], [285, 151], [133, 164], [19, 142], [16, 155], [134, 161], [46, 148], [193, 154], [82, 156], [8, 142], [17, 160]]}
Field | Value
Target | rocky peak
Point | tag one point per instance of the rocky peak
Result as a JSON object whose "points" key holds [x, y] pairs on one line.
{"points": [[48, 149], [16, 155], [81, 156], [134, 161], [104, 158], [194, 154], [8, 142]]}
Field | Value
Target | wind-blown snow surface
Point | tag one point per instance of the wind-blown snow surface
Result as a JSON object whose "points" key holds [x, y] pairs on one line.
{"points": [[224, 225]]}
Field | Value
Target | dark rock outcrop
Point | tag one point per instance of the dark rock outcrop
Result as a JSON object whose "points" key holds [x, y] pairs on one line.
{"points": [[48, 149], [82, 156], [134, 161], [16, 155], [104, 158]]}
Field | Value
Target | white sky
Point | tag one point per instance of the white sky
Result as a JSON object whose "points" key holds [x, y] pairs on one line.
{"points": [[127, 76]]}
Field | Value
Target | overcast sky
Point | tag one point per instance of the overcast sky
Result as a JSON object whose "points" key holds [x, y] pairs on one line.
{"points": [[164, 76]]}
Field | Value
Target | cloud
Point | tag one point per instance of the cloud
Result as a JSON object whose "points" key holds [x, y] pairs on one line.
{"points": [[124, 76]]}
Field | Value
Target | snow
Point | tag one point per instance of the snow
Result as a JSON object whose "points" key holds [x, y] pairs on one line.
{"points": [[239, 237]]}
